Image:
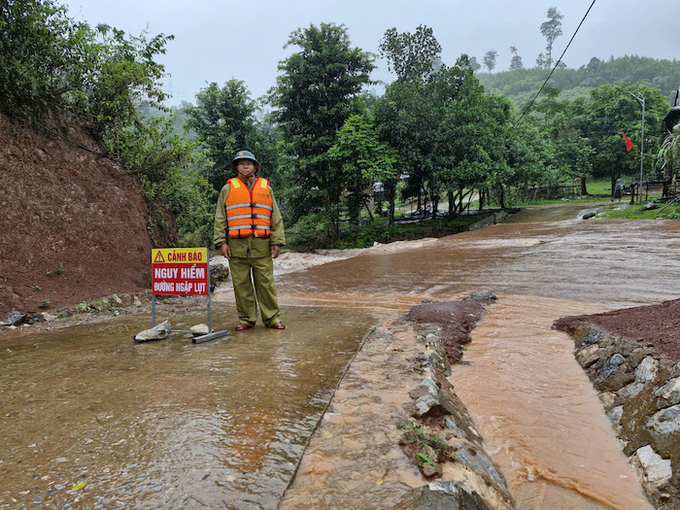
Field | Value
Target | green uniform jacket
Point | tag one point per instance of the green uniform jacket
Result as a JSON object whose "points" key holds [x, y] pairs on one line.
{"points": [[247, 246]]}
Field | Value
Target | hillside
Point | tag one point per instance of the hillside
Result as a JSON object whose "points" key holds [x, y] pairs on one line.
{"points": [[522, 84], [73, 224]]}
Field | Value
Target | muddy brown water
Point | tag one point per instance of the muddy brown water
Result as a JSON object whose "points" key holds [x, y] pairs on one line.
{"points": [[176, 425], [165, 424], [615, 262]]}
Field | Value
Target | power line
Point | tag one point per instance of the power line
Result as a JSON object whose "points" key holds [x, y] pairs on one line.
{"points": [[526, 110]]}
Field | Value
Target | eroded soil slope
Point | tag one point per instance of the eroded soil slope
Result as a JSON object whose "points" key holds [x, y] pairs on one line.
{"points": [[73, 225]]}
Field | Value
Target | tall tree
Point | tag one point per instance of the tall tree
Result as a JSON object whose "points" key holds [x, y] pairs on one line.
{"points": [[223, 120], [516, 60], [490, 59], [606, 112], [364, 158], [407, 118], [540, 61], [316, 92], [411, 56], [551, 30]]}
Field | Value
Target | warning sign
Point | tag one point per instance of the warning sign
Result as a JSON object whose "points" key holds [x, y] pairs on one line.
{"points": [[180, 271]]}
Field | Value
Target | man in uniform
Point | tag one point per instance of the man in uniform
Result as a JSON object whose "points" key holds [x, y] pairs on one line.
{"points": [[249, 232]]}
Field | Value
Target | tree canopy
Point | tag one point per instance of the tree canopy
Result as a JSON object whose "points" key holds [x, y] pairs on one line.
{"points": [[317, 90]]}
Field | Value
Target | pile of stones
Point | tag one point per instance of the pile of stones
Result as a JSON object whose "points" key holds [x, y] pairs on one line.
{"points": [[640, 391]]}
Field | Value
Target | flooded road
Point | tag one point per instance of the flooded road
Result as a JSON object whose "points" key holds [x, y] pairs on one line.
{"points": [[618, 263], [90, 420], [531, 400]]}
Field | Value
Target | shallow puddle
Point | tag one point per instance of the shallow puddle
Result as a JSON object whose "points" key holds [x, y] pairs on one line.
{"points": [[92, 420]]}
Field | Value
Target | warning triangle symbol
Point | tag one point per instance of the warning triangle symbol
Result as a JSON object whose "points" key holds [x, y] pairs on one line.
{"points": [[159, 257]]}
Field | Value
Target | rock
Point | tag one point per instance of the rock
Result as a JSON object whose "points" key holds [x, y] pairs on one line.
{"points": [[675, 371], [611, 366], [450, 424], [670, 392], [631, 390], [219, 270], [126, 299], [591, 337], [47, 317], [431, 469], [650, 206], [158, 332], [16, 318], [654, 470], [433, 358], [615, 414], [664, 428], [199, 329], [608, 399], [647, 370], [589, 215], [484, 296], [424, 404], [448, 495], [588, 356], [477, 460]]}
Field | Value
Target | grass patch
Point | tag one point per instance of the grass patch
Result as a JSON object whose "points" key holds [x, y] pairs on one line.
{"points": [[574, 200], [638, 212]]}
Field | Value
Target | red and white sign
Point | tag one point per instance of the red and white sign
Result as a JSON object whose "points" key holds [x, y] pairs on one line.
{"points": [[182, 271]]}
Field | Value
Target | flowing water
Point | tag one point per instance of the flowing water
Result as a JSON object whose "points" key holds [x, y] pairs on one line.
{"points": [[618, 263], [88, 419], [540, 415]]}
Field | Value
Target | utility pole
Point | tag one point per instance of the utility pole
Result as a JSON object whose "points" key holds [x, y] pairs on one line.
{"points": [[641, 100]]}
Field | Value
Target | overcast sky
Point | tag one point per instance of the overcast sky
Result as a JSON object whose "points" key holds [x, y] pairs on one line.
{"points": [[218, 40]]}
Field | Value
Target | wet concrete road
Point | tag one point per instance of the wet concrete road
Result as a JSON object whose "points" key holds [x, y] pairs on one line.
{"points": [[90, 420]]}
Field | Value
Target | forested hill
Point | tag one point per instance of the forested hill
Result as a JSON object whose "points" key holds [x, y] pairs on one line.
{"points": [[522, 84]]}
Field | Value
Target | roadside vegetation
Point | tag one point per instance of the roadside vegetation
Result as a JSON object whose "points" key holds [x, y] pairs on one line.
{"points": [[672, 212], [349, 168]]}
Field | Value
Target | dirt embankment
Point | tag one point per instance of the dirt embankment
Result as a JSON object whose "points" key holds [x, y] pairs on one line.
{"points": [[632, 357], [655, 326], [73, 224]]}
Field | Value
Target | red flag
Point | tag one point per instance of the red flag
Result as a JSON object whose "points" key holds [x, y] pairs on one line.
{"points": [[629, 144]]}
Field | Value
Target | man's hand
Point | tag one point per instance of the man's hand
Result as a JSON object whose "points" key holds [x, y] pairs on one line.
{"points": [[276, 251], [225, 251]]}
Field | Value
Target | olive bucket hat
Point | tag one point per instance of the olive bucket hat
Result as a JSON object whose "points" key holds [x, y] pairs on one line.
{"points": [[245, 155]]}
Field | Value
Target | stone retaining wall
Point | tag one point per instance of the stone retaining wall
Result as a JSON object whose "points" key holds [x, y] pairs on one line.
{"points": [[489, 220], [640, 391], [360, 456], [465, 476]]}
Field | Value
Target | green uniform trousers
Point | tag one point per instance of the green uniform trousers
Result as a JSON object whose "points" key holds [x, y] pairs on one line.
{"points": [[257, 271]]}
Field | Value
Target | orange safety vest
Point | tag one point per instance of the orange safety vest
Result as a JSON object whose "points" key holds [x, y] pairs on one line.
{"points": [[249, 211]]}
